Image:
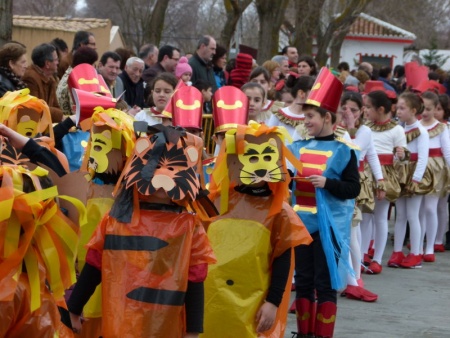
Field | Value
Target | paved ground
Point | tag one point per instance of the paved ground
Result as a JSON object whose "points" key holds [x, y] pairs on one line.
{"points": [[411, 303]]}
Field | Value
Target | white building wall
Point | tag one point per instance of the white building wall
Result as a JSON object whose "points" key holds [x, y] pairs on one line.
{"points": [[351, 48]]}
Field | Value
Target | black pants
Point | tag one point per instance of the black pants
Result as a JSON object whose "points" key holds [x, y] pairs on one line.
{"points": [[311, 272]]}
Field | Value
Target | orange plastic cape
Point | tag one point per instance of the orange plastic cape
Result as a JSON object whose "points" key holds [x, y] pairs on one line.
{"points": [[37, 238], [246, 240], [145, 271]]}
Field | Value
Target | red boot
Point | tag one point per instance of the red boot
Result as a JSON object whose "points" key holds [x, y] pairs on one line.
{"points": [[326, 317], [306, 316]]}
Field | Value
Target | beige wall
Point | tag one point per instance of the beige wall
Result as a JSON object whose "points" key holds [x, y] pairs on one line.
{"points": [[32, 37]]}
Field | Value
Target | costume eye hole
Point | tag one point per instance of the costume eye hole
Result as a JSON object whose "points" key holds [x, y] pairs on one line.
{"points": [[158, 166], [253, 159], [171, 168], [267, 158]]}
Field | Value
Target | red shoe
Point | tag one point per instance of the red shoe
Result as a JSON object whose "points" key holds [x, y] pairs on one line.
{"points": [[412, 262], [439, 248], [357, 292], [366, 260], [371, 252], [429, 258], [360, 282], [396, 258], [374, 268]]}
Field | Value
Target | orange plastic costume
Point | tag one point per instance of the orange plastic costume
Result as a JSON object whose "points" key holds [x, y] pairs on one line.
{"points": [[37, 254], [147, 261], [250, 233]]}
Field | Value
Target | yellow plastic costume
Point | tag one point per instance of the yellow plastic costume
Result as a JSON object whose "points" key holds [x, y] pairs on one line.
{"points": [[37, 253], [250, 232]]}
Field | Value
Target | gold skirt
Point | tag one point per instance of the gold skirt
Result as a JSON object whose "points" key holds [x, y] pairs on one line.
{"points": [[366, 199], [405, 173], [391, 183]]}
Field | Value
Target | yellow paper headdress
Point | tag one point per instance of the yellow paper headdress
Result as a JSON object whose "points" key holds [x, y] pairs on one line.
{"points": [[234, 143], [12, 102], [35, 232], [122, 132]]}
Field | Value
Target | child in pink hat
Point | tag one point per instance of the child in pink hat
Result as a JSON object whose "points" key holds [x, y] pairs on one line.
{"points": [[183, 71]]}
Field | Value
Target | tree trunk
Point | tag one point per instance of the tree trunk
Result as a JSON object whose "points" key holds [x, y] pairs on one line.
{"points": [[154, 28], [336, 45], [306, 24], [271, 15], [343, 21], [234, 9], [5, 21]]}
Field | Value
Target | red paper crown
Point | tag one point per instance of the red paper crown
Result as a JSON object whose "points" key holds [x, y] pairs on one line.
{"points": [[168, 109], [85, 77], [415, 74], [326, 91], [230, 108], [85, 103], [187, 108], [372, 86], [432, 86]]}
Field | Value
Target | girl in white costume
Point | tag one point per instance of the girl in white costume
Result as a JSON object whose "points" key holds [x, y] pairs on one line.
{"points": [[292, 117], [414, 183], [351, 109], [438, 163], [390, 141], [442, 114]]}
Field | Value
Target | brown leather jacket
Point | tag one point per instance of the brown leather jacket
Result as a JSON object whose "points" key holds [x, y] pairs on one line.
{"points": [[44, 88]]}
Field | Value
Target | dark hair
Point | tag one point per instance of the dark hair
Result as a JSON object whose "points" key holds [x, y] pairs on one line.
{"points": [[258, 71], [310, 61], [433, 97], [285, 49], [220, 52], [343, 66], [378, 98], [80, 38], [202, 84], [11, 51], [84, 55], [42, 53], [60, 45], [303, 83], [253, 85], [444, 102], [124, 54], [433, 76], [399, 71], [433, 67], [166, 50], [145, 50], [413, 101], [352, 96], [231, 64], [204, 40], [384, 72], [166, 77], [323, 112], [109, 55]]}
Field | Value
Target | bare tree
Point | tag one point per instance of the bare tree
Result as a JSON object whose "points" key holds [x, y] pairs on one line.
{"points": [[306, 24], [5, 21], [44, 7], [234, 10], [271, 15]]}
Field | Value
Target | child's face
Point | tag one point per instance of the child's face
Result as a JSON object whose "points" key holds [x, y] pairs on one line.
{"points": [[371, 112], [404, 112], [207, 94], [428, 111], [255, 102], [161, 94], [186, 77], [439, 113], [262, 81], [315, 123], [351, 107]]}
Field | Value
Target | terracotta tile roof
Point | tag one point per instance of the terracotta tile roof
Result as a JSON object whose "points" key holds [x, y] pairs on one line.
{"points": [[58, 23], [368, 26]]}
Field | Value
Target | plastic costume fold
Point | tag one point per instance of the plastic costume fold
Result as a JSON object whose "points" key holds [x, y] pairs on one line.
{"points": [[250, 233], [148, 255], [37, 253]]}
